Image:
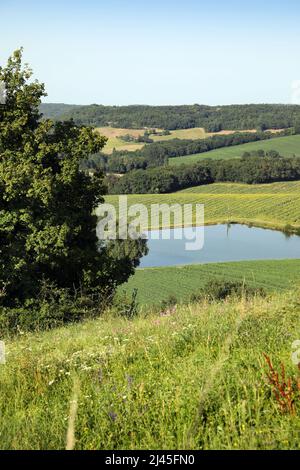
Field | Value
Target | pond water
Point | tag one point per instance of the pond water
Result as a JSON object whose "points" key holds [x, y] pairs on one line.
{"points": [[221, 243]]}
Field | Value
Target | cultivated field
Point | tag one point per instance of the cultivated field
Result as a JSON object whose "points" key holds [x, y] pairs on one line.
{"points": [[111, 132], [114, 141], [285, 187], [94, 385], [155, 285], [275, 205], [286, 146], [193, 133], [200, 133], [114, 133]]}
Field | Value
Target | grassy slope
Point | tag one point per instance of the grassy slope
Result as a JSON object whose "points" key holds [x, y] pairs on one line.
{"points": [[207, 360], [157, 284], [275, 205], [287, 146]]}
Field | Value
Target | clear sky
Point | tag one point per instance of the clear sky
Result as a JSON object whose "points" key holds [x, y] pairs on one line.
{"points": [[159, 51]]}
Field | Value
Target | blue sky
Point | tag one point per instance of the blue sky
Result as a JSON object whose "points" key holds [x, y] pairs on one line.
{"points": [[158, 52]]}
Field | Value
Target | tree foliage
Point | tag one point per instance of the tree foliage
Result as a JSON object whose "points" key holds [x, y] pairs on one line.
{"points": [[212, 118], [47, 226], [250, 169]]}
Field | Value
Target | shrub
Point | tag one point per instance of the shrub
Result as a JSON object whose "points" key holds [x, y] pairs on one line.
{"points": [[53, 307], [126, 305], [222, 289], [170, 301]]}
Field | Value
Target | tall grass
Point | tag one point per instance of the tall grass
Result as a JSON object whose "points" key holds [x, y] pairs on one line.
{"points": [[195, 378]]}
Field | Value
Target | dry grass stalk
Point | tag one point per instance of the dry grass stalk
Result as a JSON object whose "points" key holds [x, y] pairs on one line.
{"points": [[286, 389], [70, 440]]}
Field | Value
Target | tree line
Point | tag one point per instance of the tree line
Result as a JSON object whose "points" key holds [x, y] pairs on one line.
{"points": [[254, 170], [212, 118]]}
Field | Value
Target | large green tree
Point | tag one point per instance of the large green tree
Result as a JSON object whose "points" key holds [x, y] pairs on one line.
{"points": [[47, 230]]}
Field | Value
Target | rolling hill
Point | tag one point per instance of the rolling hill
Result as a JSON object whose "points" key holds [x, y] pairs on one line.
{"points": [[286, 146], [195, 378]]}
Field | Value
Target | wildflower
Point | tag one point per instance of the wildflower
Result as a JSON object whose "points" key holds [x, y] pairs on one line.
{"points": [[129, 379], [113, 416], [51, 382]]}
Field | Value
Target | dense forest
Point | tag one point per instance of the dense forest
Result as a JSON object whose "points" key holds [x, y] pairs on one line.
{"points": [[252, 170], [212, 118], [55, 110]]}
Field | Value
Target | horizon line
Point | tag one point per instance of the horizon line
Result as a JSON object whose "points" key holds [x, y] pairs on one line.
{"points": [[172, 105]]}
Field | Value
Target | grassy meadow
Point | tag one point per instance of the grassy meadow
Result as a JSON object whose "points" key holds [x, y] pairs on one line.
{"points": [[94, 385], [286, 146], [155, 285]]}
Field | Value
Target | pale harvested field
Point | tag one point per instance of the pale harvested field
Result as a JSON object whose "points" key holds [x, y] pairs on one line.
{"points": [[199, 133], [114, 141], [114, 133], [118, 131], [194, 133], [119, 144]]}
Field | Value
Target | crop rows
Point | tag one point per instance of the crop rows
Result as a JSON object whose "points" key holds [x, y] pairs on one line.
{"points": [[157, 284], [270, 209]]}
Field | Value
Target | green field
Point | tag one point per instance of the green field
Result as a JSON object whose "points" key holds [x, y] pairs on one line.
{"points": [[286, 146], [282, 188], [157, 284], [194, 379], [275, 205]]}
